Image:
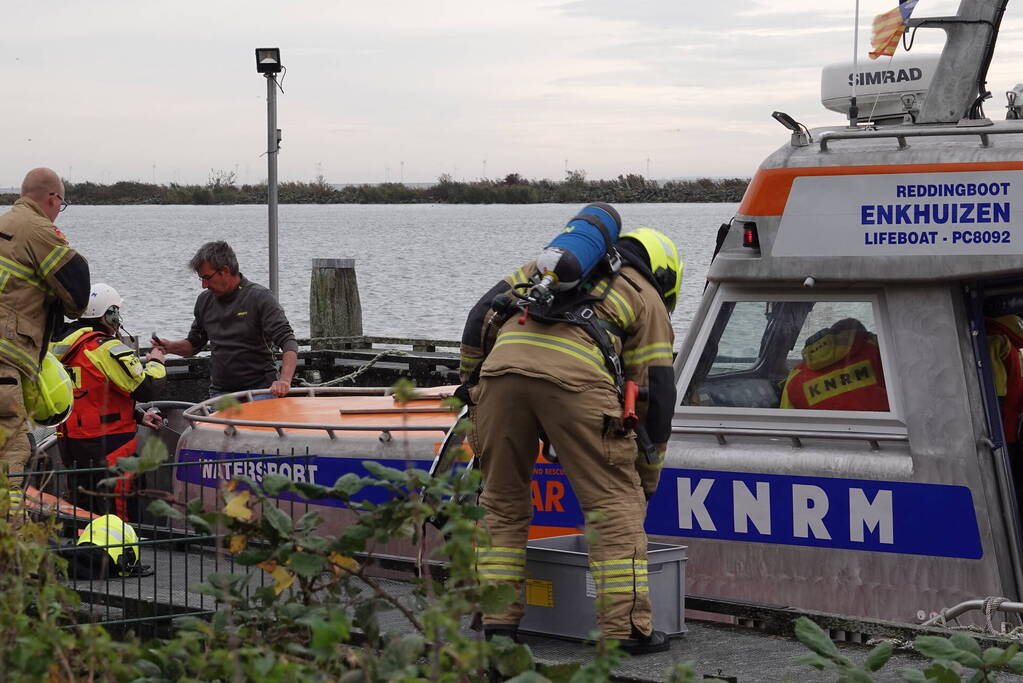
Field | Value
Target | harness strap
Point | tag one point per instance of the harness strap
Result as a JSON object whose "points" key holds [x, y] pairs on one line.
{"points": [[598, 224]]}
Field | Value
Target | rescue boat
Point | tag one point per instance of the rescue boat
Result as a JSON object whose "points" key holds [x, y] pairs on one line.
{"points": [[791, 484]]}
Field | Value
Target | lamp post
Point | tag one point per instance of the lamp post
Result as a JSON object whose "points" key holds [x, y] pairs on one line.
{"points": [[268, 63]]}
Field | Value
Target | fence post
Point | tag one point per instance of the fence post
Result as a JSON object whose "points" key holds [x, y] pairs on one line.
{"points": [[334, 306]]}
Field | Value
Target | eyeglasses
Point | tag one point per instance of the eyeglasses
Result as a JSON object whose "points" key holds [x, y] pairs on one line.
{"points": [[207, 278], [63, 202]]}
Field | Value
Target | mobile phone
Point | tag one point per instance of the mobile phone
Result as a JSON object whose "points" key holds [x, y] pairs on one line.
{"points": [[154, 338]]}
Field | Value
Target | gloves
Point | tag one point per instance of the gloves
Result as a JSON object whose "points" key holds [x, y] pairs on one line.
{"points": [[462, 393]]}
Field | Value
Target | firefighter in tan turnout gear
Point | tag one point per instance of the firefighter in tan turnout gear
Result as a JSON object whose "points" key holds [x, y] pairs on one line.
{"points": [[547, 379], [41, 281]]}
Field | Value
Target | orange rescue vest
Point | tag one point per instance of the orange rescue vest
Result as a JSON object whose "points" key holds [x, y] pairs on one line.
{"points": [[857, 383], [100, 406]]}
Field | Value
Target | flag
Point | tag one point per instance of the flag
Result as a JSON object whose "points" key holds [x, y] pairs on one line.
{"points": [[888, 29]]}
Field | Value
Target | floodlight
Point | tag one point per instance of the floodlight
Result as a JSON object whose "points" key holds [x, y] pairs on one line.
{"points": [[268, 60], [799, 137], [782, 118]]}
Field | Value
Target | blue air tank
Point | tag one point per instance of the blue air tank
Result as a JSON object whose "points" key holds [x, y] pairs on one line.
{"points": [[580, 247]]}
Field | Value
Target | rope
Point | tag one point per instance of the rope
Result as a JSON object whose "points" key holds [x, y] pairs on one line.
{"points": [[991, 604], [352, 375]]}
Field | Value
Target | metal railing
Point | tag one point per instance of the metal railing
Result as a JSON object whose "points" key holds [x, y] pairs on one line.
{"points": [[900, 135], [172, 559]]}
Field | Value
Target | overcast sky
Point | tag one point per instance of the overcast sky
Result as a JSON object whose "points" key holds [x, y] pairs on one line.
{"points": [[401, 90]]}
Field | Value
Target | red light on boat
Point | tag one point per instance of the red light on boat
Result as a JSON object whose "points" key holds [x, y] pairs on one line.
{"points": [[749, 235]]}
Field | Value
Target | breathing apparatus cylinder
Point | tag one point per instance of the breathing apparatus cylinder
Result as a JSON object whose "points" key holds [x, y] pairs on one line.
{"points": [[577, 250]]}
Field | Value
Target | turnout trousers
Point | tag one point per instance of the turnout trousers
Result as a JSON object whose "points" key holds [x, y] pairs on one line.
{"points": [[584, 427], [101, 452], [15, 447]]}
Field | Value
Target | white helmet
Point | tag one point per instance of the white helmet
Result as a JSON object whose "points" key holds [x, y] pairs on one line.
{"points": [[101, 298]]}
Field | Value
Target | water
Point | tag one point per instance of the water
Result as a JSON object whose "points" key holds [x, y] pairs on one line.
{"points": [[420, 268]]}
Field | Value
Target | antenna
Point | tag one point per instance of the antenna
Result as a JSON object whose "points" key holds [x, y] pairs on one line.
{"points": [[854, 111]]}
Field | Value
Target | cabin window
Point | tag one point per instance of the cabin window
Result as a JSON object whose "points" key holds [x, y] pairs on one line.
{"points": [[786, 354]]}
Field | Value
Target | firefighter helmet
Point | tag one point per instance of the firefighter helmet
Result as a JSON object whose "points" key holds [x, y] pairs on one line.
{"points": [[49, 398], [101, 298], [117, 538], [665, 263]]}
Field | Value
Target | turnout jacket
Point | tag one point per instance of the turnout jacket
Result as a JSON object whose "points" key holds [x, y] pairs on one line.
{"points": [[241, 327], [41, 280], [108, 377], [566, 355]]}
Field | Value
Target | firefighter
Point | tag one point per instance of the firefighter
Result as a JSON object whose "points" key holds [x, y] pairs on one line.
{"points": [[841, 370], [41, 280], [554, 380], [1004, 340], [108, 377]]}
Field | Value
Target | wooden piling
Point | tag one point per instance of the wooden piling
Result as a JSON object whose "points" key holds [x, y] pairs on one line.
{"points": [[334, 306]]}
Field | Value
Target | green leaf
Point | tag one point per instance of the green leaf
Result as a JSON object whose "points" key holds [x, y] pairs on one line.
{"points": [[936, 647], [328, 634], [816, 661], [509, 657], [913, 675], [878, 657], [277, 518], [311, 491], [153, 454], [1016, 663], [307, 521], [495, 597], [306, 564], [856, 676], [969, 659], [942, 672], [965, 642], [273, 484], [161, 508], [556, 673], [408, 648], [384, 472], [814, 637], [250, 557], [346, 486], [130, 464], [551, 674], [200, 523]]}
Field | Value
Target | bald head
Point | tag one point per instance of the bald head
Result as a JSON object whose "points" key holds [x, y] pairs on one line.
{"points": [[39, 183]]}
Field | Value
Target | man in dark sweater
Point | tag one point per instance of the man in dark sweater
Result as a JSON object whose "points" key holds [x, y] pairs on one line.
{"points": [[242, 322]]}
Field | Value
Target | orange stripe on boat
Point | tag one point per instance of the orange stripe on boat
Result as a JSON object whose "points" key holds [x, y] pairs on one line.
{"points": [[39, 501], [768, 192], [548, 531]]}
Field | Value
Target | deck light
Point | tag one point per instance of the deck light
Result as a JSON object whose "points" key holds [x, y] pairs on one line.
{"points": [[800, 136], [749, 235], [268, 60]]}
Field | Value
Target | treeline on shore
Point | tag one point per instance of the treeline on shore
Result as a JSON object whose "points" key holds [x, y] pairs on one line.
{"points": [[513, 189]]}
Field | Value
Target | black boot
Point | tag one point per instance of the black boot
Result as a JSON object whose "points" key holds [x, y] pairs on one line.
{"points": [[640, 644], [507, 630]]}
